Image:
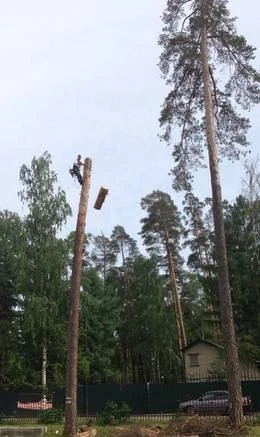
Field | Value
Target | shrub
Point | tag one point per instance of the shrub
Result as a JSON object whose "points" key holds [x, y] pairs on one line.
{"points": [[124, 412], [51, 416], [113, 414]]}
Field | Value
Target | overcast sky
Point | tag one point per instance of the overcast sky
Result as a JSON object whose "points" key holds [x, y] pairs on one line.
{"points": [[82, 77]]}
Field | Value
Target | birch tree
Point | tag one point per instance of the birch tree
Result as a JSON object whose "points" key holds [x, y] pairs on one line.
{"points": [[48, 211]]}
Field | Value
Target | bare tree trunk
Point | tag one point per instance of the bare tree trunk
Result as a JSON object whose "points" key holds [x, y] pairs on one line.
{"points": [[158, 369], [175, 297], [70, 428], [44, 367], [227, 321], [44, 337]]}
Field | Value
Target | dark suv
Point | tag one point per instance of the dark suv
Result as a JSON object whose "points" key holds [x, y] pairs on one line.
{"points": [[212, 403]]}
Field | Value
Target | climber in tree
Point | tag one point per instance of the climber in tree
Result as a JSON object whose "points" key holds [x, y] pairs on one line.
{"points": [[75, 170]]}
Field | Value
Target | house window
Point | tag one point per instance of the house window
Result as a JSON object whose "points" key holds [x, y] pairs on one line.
{"points": [[194, 359]]}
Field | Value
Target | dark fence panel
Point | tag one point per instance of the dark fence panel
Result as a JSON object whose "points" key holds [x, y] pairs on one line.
{"points": [[8, 403], [58, 398], [92, 398], [135, 395], [252, 389]]}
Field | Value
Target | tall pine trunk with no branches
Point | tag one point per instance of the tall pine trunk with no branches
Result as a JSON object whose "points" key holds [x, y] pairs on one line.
{"points": [[70, 425]]}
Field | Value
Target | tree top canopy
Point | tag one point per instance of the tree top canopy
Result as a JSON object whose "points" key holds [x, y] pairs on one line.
{"points": [[234, 82]]}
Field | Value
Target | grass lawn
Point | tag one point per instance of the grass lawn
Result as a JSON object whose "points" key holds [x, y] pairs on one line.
{"points": [[254, 431]]}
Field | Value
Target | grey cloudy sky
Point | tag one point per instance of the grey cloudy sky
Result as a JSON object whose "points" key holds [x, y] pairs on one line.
{"points": [[82, 77]]}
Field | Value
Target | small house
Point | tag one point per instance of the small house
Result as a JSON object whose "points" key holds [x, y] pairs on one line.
{"points": [[204, 359], [201, 357]]}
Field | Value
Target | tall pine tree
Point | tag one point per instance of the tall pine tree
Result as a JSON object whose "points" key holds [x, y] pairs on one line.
{"points": [[161, 232], [199, 40]]}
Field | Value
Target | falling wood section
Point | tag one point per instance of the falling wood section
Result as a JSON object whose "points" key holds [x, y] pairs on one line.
{"points": [[101, 197]]}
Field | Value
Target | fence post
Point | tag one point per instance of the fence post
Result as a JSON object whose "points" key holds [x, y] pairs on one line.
{"points": [[148, 394]]}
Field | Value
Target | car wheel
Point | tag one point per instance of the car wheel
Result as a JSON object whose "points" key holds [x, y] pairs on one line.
{"points": [[224, 412], [247, 410], [190, 410]]}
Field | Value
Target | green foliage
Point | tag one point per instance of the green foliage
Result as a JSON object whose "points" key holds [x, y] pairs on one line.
{"points": [[147, 328], [12, 245], [48, 208], [124, 244], [243, 235], [161, 227], [103, 255], [53, 415], [200, 289], [99, 318], [45, 269], [194, 307], [161, 233], [127, 326], [200, 297], [114, 414], [12, 255]]}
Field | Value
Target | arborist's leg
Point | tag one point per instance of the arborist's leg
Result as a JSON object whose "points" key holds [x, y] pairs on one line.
{"points": [[79, 177]]}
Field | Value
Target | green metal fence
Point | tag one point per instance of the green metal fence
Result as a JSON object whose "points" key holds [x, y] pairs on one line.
{"points": [[141, 398]]}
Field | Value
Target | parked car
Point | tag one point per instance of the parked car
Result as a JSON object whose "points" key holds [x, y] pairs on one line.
{"points": [[212, 403]]}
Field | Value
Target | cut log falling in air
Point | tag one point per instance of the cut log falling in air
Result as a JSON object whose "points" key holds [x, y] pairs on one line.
{"points": [[101, 197]]}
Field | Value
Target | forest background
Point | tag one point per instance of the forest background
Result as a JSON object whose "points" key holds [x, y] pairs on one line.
{"points": [[128, 327]]}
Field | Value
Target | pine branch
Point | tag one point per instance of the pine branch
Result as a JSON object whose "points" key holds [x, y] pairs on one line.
{"points": [[179, 8], [188, 69], [187, 112], [186, 18], [181, 39], [186, 72], [233, 54]]}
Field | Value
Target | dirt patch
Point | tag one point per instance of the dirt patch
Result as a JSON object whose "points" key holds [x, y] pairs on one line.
{"points": [[137, 431], [201, 427], [194, 426], [89, 432]]}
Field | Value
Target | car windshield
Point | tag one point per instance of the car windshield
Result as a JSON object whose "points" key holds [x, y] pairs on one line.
{"points": [[207, 397], [211, 396]]}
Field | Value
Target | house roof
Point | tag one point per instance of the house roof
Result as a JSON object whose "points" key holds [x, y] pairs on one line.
{"points": [[199, 340]]}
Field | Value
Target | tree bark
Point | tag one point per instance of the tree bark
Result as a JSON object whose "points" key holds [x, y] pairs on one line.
{"points": [[226, 310], [70, 428], [175, 297], [44, 367]]}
